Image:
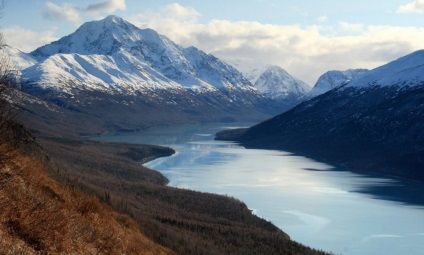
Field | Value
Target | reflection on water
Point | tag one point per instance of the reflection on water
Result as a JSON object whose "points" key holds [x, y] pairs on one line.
{"points": [[315, 203]]}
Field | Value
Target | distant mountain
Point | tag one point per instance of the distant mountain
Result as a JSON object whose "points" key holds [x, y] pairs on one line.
{"points": [[277, 84], [333, 79], [112, 70], [375, 122]]}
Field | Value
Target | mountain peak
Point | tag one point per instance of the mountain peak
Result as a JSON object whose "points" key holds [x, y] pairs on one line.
{"points": [[277, 83], [276, 69], [104, 37], [333, 79], [113, 18], [113, 22]]}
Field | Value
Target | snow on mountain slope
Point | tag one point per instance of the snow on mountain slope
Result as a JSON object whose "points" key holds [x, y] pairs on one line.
{"points": [[405, 71], [148, 51], [276, 83], [216, 72], [102, 37], [74, 72], [333, 79], [18, 59]]}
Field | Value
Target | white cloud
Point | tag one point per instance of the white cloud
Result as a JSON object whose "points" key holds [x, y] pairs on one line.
{"points": [[166, 16], [27, 40], [351, 27], [416, 6], [305, 52], [106, 6], [323, 18], [66, 12], [70, 13], [179, 12]]}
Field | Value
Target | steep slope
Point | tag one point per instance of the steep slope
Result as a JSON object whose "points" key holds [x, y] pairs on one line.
{"points": [[373, 123], [41, 216], [333, 79], [111, 68]]}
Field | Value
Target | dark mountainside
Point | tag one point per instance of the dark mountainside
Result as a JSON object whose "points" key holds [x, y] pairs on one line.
{"points": [[374, 123]]}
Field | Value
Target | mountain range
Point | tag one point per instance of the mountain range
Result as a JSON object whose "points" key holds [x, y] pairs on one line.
{"points": [[114, 76], [118, 76], [110, 75], [374, 122]]}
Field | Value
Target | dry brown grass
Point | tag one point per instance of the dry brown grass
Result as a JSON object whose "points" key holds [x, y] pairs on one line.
{"points": [[40, 216]]}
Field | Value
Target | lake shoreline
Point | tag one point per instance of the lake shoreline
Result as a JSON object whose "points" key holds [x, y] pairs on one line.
{"points": [[235, 135]]}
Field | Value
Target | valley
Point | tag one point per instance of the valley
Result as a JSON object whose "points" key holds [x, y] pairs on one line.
{"points": [[337, 166]]}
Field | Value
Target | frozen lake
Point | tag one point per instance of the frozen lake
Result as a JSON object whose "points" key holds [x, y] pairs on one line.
{"points": [[316, 204]]}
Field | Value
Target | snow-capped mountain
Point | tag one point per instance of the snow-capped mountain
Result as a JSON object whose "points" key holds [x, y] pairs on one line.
{"points": [[277, 84], [333, 79], [125, 52], [375, 122], [113, 61]]}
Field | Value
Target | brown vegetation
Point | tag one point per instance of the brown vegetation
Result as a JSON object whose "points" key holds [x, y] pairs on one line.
{"points": [[41, 216]]}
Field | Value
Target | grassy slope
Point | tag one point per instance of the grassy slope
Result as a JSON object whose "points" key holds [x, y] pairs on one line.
{"points": [[41, 216]]}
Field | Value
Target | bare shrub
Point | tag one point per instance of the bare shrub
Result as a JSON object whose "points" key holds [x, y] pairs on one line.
{"points": [[7, 75]]}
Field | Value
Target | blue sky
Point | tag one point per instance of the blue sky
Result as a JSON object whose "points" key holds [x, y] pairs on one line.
{"points": [[306, 37]]}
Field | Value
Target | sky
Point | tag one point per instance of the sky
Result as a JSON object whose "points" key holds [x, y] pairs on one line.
{"points": [[305, 37]]}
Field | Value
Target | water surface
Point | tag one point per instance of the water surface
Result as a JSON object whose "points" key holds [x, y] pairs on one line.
{"points": [[316, 204]]}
